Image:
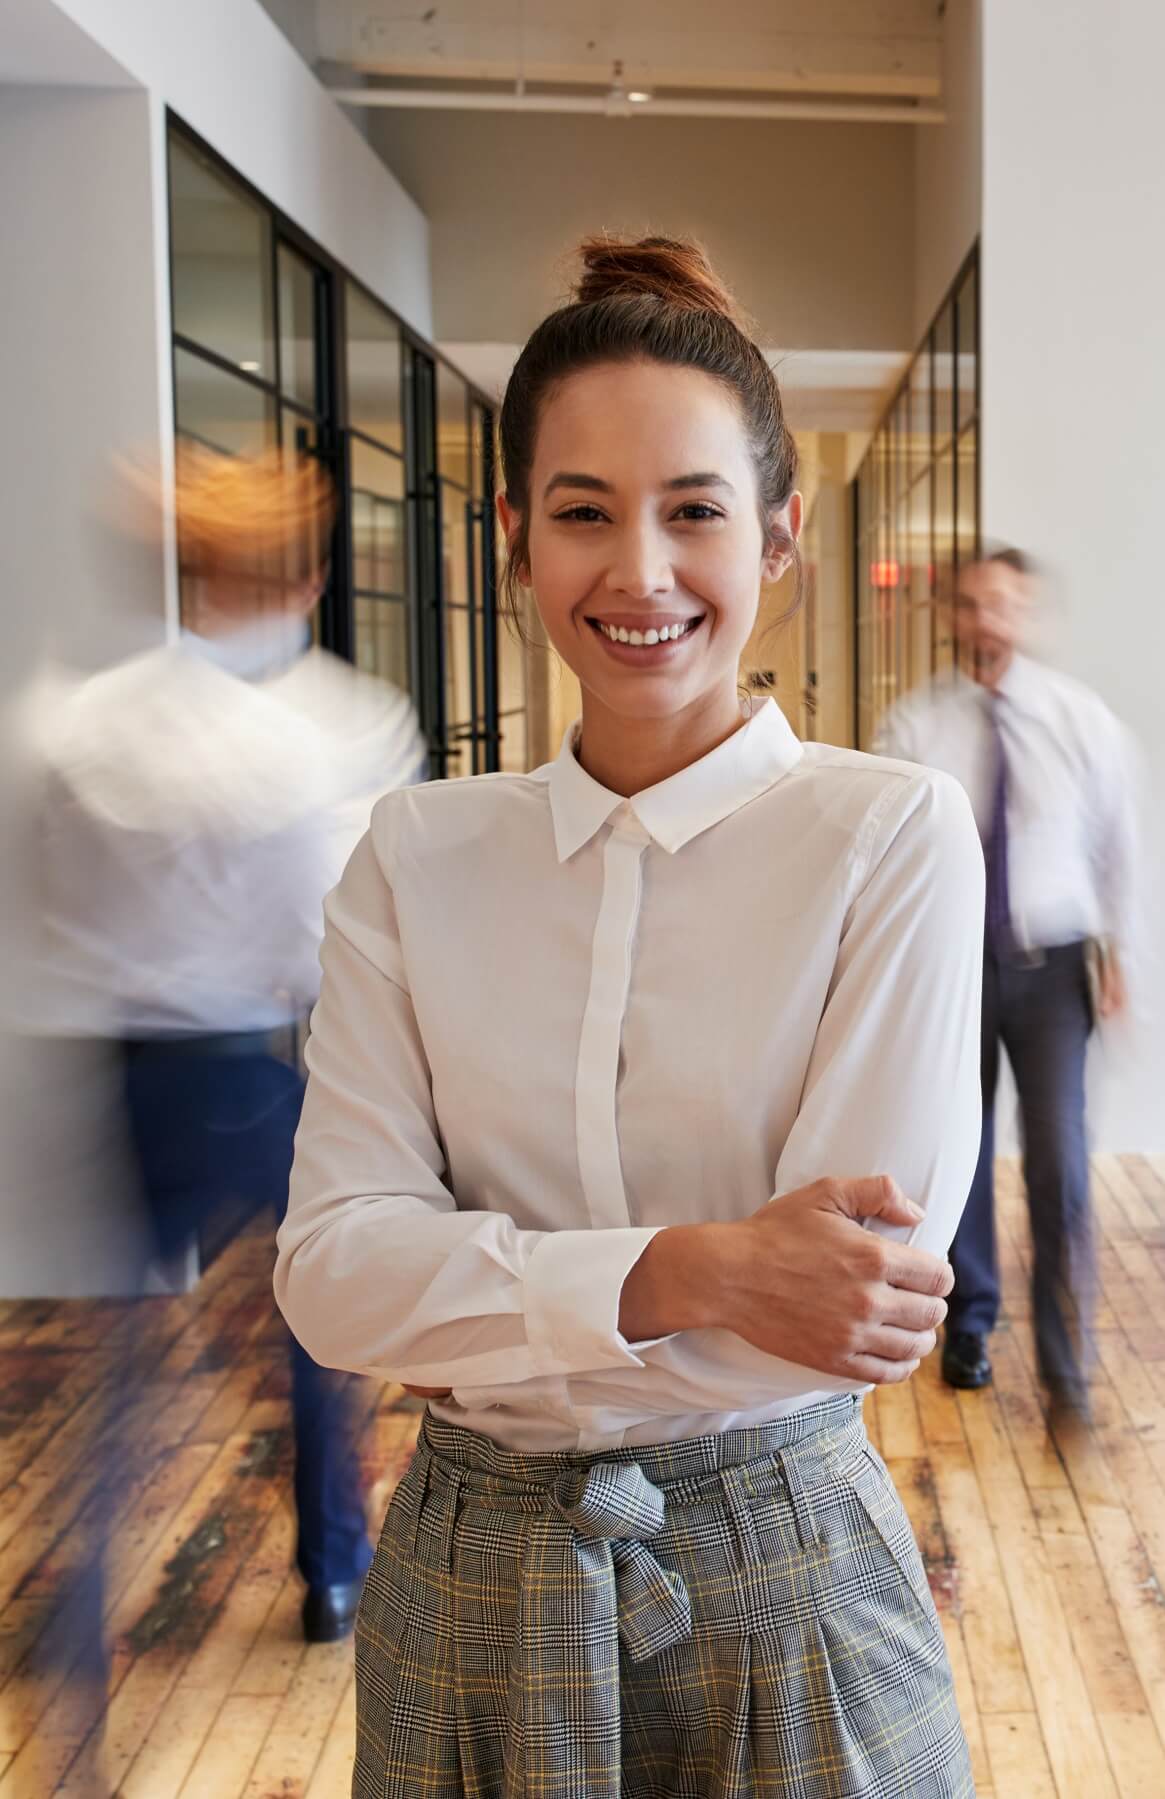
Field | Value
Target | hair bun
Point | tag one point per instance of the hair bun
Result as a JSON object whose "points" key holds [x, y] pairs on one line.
{"points": [[674, 270]]}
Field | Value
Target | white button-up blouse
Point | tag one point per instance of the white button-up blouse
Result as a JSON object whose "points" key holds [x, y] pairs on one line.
{"points": [[554, 1021]]}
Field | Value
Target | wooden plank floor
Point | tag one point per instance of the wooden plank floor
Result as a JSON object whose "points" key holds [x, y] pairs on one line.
{"points": [[1045, 1549]]}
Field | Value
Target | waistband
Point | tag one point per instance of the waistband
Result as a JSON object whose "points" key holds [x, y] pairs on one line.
{"points": [[812, 1439]]}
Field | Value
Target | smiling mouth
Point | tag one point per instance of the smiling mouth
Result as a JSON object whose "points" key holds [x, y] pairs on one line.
{"points": [[651, 635]]}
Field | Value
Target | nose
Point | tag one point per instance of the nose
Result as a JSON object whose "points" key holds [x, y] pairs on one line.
{"points": [[640, 567]]}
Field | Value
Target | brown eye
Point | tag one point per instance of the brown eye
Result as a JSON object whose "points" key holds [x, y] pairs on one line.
{"points": [[580, 514]]}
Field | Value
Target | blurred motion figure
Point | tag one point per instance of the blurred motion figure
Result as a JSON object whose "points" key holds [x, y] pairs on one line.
{"points": [[202, 799], [1047, 770]]}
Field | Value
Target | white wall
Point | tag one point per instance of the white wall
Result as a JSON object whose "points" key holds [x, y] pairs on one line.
{"points": [[84, 374], [227, 70], [948, 165], [812, 223], [79, 372], [1074, 390]]}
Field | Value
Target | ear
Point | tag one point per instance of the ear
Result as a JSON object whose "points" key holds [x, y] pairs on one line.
{"points": [[302, 597], [784, 533], [510, 520]]}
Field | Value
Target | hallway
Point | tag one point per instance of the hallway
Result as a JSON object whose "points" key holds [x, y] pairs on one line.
{"points": [[1046, 1555]]}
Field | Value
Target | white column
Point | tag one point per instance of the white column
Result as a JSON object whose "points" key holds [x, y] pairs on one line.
{"points": [[1074, 392]]}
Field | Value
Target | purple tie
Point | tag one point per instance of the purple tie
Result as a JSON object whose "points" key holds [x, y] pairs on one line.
{"points": [[998, 923]]}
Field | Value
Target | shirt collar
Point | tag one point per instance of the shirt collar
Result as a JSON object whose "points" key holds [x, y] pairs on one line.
{"points": [[678, 809], [1018, 686], [265, 646]]}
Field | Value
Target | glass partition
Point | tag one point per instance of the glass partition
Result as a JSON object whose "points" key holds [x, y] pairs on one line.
{"points": [[276, 345], [916, 512]]}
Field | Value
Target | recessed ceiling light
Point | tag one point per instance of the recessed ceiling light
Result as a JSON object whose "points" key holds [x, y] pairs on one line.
{"points": [[250, 368], [639, 96]]}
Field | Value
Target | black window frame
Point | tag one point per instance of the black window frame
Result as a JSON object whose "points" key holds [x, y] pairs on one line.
{"points": [[420, 360]]}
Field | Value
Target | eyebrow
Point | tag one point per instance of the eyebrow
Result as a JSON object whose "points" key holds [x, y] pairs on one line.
{"points": [[593, 483]]}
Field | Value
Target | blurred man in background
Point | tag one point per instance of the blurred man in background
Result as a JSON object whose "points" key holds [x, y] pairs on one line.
{"points": [[202, 798], [1046, 768]]}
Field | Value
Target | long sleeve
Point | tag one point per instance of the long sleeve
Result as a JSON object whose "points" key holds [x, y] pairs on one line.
{"points": [[1113, 834], [893, 1080], [378, 1270]]}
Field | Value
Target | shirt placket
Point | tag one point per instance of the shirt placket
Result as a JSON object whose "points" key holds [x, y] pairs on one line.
{"points": [[601, 1037]]}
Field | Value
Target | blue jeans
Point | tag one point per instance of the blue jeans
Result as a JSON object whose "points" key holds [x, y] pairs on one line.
{"points": [[209, 1129], [1039, 1010]]}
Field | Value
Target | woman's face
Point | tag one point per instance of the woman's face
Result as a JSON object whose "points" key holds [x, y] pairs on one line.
{"points": [[646, 553]]}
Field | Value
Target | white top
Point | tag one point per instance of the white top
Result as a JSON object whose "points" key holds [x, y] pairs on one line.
{"points": [[1070, 798], [200, 801], [553, 1021]]}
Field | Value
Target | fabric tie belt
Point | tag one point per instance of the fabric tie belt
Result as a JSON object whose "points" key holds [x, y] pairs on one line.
{"points": [[613, 1510]]}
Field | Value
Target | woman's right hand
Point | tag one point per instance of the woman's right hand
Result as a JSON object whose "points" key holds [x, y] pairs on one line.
{"points": [[802, 1280]]}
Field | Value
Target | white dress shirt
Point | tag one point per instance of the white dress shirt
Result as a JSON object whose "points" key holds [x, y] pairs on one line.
{"points": [[1070, 799], [553, 1021], [200, 801]]}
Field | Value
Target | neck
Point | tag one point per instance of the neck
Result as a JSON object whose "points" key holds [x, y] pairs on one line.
{"points": [[991, 677], [628, 755]]}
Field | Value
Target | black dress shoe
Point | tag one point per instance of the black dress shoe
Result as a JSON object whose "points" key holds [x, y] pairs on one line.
{"points": [[965, 1361], [330, 1612]]}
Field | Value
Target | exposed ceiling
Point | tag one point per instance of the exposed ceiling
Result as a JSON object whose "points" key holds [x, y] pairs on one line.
{"points": [[858, 59]]}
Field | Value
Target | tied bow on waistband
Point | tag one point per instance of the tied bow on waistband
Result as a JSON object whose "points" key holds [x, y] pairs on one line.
{"points": [[588, 1583], [613, 1508]]}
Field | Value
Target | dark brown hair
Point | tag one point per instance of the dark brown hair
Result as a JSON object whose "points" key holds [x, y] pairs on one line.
{"points": [[654, 299]]}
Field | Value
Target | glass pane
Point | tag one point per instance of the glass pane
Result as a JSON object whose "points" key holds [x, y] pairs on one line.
{"points": [[514, 755], [458, 685], [298, 434], [921, 646], [219, 411], [944, 514], [919, 543], [220, 251], [479, 653], [511, 670], [378, 521], [481, 428], [297, 328], [944, 375], [966, 533], [967, 302], [944, 548], [455, 533], [902, 441], [374, 370], [458, 760], [382, 639], [452, 426], [920, 410]]}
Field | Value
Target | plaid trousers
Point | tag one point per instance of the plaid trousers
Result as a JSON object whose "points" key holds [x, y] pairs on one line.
{"points": [[726, 1617]]}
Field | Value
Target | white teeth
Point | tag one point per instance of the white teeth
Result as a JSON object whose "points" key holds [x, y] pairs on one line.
{"points": [[654, 635]]}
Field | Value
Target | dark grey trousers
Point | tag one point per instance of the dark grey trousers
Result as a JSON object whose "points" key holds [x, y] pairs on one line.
{"points": [[1038, 1009]]}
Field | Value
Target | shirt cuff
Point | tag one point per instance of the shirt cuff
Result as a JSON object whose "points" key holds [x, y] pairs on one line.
{"points": [[572, 1288]]}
